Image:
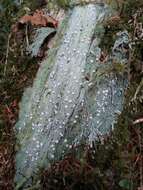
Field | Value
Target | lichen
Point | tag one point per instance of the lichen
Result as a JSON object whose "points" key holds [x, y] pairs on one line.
{"points": [[56, 95]]}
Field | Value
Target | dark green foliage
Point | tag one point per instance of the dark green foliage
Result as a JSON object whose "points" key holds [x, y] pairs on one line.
{"points": [[8, 8], [125, 184], [63, 3]]}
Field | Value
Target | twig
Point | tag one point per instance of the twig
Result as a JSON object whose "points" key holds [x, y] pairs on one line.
{"points": [[129, 66], [20, 184], [141, 164], [138, 90], [137, 121], [7, 54], [26, 33], [34, 187]]}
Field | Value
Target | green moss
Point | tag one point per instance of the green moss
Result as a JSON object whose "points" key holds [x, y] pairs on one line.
{"points": [[63, 3]]}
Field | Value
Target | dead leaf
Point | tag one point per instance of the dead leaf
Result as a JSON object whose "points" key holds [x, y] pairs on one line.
{"points": [[10, 113], [39, 18], [114, 20], [140, 188]]}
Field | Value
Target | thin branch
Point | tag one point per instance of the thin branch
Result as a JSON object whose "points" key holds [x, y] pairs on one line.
{"points": [[141, 164], [26, 33], [7, 54], [37, 186], [137, 90]]}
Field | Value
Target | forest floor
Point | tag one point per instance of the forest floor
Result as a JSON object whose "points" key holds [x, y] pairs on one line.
{"points": [[114, 163]]}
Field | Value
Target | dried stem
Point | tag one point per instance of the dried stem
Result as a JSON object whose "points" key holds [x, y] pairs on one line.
{"points": [[140, 164], [138, 90], [26, 33], [7, 54]]}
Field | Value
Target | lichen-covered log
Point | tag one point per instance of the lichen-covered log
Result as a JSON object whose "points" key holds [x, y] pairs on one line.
{"points": [[74, 97]]}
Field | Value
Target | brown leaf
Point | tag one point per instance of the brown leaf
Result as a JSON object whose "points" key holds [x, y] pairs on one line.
{"points": [[10, 113], [114, 20], [39, 19], [25, 19], [140, 188]]}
